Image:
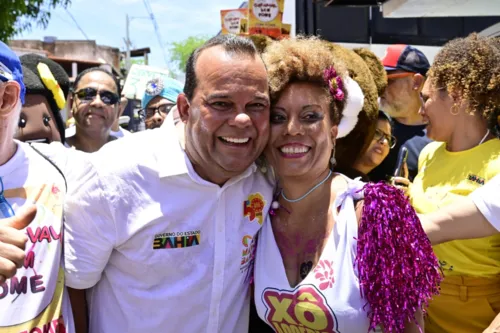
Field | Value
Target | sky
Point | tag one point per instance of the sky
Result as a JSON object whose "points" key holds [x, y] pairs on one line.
{"points": [[104, 22]]}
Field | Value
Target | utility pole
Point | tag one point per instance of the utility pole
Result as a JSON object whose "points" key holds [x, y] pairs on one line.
{"points": [[127, 43]]}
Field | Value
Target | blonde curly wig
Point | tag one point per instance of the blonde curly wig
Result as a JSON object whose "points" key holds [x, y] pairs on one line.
{"points": [[302, 59]]}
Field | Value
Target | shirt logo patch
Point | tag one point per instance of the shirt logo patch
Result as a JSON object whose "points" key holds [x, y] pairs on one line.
{"points": [[303, 309], [248, 256], [176, 240], [475, 179], [253, 207]]}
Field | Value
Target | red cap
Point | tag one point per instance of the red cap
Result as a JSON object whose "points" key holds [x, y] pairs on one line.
{"points": [[392, 55]]}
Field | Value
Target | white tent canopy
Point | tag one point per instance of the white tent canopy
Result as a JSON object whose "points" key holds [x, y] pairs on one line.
{"points": [[440, 8]]}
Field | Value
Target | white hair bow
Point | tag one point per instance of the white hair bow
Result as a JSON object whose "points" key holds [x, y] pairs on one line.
{"points": [[354, 105]]}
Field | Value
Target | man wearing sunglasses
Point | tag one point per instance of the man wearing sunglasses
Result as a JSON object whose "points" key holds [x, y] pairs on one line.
{"points": [[406, 69], [159, 98], [33, 299], [95, 103]]}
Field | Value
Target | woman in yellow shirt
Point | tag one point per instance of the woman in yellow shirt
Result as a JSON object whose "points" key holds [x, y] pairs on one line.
{"points": [[461, 102]]}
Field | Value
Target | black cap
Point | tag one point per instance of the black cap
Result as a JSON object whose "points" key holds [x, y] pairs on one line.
{"points": [[405, 58]]}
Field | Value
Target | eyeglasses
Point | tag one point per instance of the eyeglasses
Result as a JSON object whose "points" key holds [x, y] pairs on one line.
{"points": [[5, 208], [87, 95], [150, 112], [381, 136]]}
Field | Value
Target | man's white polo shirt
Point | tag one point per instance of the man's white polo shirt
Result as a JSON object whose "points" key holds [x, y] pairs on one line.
{"points": [[163, 249]]}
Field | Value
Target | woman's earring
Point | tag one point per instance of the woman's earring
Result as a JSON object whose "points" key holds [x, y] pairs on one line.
{"points": [[454, 110], [333, 160]]}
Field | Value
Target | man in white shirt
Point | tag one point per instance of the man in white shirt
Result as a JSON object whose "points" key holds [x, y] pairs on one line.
{"points": [[160, 235], [473, 217]]}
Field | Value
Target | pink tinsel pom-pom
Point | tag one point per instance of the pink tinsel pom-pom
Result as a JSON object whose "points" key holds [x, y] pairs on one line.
{"points": [[398, 270]]}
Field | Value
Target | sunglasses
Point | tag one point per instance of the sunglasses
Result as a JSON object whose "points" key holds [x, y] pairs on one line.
{"points": [[87, 95], [150, 112], [5, 208], [379, 136]]}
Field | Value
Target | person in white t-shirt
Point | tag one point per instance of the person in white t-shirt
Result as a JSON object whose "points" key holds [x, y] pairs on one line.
{"points": [[33, 299], [476, 216], [329, 257]]}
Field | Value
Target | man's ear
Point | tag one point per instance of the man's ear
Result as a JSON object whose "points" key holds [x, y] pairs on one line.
{"points": [[183, 107], [123, 106], [418, 81], [71, 100], [9, 93]]}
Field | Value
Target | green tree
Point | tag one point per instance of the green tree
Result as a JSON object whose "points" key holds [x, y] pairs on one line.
{"points": [[180, 51], [19, 15]]}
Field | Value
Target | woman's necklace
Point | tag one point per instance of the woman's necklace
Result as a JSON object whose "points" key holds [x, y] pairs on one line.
{"points": [[309, 192], [484, 138]]}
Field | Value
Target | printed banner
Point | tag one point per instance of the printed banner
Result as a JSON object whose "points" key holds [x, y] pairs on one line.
{"points": [[138, 77], [231, 20], [244, 26], [286, 30], [266, 16]]}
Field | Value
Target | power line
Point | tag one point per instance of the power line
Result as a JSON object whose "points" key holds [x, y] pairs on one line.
{"points": [[157, 30], [76, 23]]}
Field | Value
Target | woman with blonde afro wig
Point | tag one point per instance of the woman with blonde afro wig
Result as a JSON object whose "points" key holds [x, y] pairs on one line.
{"points": [[461, 104], [310, 250]]}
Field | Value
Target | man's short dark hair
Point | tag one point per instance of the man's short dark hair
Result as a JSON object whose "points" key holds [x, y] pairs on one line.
{"points": [[384, 116], [97, 69], [232, 44]]}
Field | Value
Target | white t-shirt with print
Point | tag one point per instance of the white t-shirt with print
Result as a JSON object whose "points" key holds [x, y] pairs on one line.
{"points": [[35, 299], [328, 300]]}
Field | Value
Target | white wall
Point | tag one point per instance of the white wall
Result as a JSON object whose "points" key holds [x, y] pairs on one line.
{"points": [[289, 15], [379, 49]]}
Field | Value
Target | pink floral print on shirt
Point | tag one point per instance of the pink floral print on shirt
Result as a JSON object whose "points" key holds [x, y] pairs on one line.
{"points": [[324, 273]]}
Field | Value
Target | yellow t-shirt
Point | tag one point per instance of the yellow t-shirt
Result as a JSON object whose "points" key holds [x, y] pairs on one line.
{"points": [[445, 177]]}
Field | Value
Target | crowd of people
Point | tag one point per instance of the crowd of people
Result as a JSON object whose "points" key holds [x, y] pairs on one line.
{"points": [[268, 193]]}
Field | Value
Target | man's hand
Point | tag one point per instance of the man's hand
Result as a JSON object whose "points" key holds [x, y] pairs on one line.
{"points": [[13, 242]]}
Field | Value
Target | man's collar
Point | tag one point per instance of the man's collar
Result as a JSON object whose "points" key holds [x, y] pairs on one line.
{"points": [[173, 160], [171, 157]]}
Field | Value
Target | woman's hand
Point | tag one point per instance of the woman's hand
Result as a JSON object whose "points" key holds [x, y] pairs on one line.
{"points": [[402, 183]]}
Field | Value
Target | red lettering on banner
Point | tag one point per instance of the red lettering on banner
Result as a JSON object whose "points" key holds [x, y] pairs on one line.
{"points": [[43, 233], [19, 286], [301, 310], [29, 260], [53, 326], [36, 284]]}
